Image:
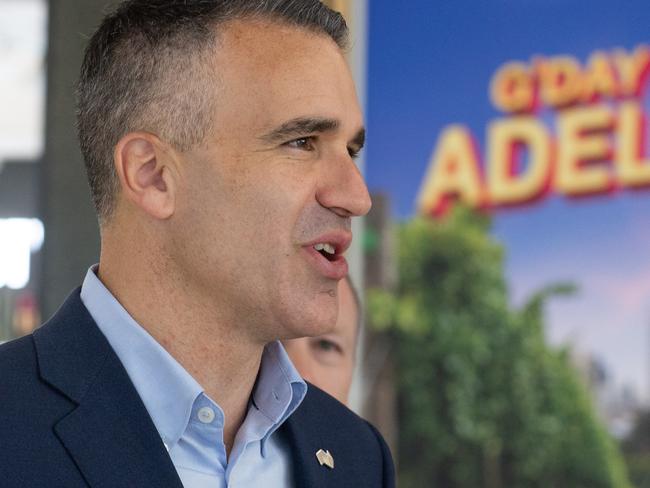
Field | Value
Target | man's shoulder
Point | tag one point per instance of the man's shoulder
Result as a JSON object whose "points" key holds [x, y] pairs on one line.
{"points": [[29, 406], [40, 367], [326, 411], [17, 358], [331, 416], [56, 386], [20, 379]]}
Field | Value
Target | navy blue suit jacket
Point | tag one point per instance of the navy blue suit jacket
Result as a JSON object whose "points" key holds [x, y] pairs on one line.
{"points": [[70, 417]]}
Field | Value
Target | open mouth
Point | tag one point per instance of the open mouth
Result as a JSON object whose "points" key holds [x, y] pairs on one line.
{"points": [[326, 254], [327, 250]]}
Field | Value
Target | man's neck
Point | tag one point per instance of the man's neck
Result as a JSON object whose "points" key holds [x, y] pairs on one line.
{"points": [[210, 348]]}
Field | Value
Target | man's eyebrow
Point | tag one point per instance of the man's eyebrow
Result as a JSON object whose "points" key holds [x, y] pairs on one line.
{"points": [[301, 126]]}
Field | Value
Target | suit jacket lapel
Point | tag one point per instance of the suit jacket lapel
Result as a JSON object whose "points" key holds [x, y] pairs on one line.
{"points": [[306, 469], [109, 434], [306, 433], [319, 424]]}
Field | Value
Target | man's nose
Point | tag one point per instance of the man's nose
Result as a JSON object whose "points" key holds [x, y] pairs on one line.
{"points": [[343, 189]]}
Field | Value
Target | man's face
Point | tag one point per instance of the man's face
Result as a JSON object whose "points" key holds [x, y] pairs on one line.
{"points": [[327, 361], [272, 184]]}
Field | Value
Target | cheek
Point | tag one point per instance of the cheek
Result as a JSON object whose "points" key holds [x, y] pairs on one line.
{"points": [[301, 357], [343, 373], [336, 381], [326, 379], [265, 213]]}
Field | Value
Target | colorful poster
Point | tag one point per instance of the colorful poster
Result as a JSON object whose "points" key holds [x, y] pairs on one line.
{"points": [[535, 112]]}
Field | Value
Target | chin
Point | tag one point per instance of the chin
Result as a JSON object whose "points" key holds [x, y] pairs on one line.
{"points": [[310, 325], [307, 316]]}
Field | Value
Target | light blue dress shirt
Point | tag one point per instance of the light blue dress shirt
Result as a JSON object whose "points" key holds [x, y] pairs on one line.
{"points": [[188, 421]]}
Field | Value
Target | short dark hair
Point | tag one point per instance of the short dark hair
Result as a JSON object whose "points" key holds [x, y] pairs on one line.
{"points": [[148, 67]]}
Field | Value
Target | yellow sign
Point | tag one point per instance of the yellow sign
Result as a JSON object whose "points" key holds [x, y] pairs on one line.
{"points": [[598, 144]]}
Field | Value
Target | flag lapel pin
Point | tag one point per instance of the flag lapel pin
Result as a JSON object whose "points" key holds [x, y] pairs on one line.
{"points": [[325, 458]]}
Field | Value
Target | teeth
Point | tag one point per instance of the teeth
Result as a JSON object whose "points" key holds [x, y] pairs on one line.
{"points": [[323, 246]]}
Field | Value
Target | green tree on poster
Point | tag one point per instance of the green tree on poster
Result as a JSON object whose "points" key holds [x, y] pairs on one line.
{"points": [[484, 402]]}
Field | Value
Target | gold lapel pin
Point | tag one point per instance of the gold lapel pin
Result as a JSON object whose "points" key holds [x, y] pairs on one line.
{"points": [[325, 458]]}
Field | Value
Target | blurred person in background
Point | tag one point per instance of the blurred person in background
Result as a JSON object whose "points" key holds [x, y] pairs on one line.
{"points": [[219, 139], [328, 361]]}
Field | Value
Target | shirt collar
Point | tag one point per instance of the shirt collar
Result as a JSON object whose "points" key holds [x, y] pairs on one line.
{"points": [[279, 389], [167, 390]]}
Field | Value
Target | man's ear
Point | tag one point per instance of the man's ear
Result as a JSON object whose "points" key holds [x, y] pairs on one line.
{"points": [[147, 173]]}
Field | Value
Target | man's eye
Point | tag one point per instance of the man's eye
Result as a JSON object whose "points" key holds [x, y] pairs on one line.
{"points": [[328, 346], [353, 152], [303, 143]]}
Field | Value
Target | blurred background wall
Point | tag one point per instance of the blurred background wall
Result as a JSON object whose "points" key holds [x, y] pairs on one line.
{"points": [[72, 243]]}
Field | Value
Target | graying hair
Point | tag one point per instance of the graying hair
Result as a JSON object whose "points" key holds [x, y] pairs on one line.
{"points": [[148, 67]]}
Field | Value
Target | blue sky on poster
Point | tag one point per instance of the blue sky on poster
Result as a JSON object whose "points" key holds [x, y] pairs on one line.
{"points": [[430, 65]]}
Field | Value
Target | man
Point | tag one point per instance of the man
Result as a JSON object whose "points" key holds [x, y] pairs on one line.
{"points": [[219, 139], [328, 361]]}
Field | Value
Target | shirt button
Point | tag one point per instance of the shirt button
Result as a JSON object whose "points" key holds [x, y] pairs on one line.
{"points": [[206, 415]]}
